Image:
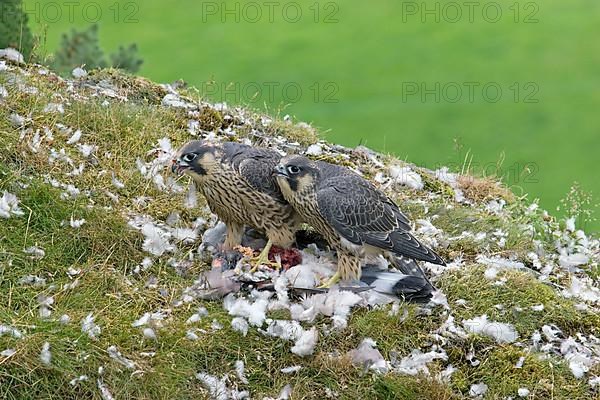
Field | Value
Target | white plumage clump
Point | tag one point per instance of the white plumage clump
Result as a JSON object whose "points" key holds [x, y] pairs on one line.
{"points": [[366, 355], [254, 311], [89, 327], [218, 389], [9, 206], [116, 355], [407, 177], [501, 332], [156, 240], [45, 356], [417, 361]]}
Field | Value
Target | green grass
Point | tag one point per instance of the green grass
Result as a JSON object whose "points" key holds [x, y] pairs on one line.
{"points": [[107, 250], [368, 54]]}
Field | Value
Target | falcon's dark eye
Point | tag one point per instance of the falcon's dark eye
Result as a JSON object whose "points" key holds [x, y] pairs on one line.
{"points": [[293, 169], [189, 157]]}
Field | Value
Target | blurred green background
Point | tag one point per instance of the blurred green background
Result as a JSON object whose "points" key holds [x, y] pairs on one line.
{"points": [[512, 86]]}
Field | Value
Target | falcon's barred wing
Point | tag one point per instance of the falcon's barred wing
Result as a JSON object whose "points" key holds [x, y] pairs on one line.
{"points": [[255, 165], [364, 215]]}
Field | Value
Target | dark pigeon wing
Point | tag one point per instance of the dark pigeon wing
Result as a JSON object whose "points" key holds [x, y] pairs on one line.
{"points": [[408, 287], [364, 215], [255, 165]]}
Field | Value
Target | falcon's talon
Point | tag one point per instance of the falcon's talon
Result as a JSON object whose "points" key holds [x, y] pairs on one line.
{"points": [[331, 281], [263, 259], [258, 263]]}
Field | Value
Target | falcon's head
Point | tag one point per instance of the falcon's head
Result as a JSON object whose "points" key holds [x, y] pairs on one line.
{"points": [[196, 159], [296, 174]]}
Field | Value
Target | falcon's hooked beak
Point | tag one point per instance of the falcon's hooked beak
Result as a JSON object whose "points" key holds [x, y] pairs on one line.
{"points": [[178, 166], [280, 170]]}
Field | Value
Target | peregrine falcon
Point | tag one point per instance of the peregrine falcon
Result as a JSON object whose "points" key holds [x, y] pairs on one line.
{"points": [[238, 184], [354, 217]]}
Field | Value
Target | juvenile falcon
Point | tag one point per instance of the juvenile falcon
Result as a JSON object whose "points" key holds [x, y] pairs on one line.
{"points": [[238, 184], [354, 217]]}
